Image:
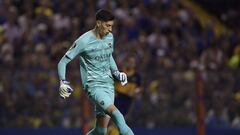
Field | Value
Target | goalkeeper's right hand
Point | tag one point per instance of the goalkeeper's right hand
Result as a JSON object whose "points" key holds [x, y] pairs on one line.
{"points": [[65, 90]]}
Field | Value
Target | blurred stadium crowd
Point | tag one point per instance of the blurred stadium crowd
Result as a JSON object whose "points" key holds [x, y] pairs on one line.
{"points": [[168, 43]]}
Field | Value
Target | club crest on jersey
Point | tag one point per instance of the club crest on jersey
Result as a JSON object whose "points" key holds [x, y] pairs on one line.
{"points": [[110, 45], [102, 102]]}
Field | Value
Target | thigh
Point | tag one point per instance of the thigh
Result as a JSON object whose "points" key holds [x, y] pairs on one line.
{"points": [[102, 98]]}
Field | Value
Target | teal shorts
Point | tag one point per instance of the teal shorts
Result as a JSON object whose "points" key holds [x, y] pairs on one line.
{"points": [[102, 97]]}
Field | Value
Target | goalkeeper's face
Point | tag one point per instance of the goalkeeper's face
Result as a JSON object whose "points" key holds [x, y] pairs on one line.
{"points": [[105, 27]]}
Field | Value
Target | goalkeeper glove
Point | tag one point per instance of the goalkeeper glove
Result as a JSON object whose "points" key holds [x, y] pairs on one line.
{"points": [[121, 76], [65, 90]]}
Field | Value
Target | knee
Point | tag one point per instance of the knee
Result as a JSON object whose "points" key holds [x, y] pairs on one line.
{"points": [[111, 108]]}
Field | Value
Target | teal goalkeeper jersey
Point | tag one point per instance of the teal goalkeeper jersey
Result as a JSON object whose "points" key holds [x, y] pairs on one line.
{"points": [[96, 60]]}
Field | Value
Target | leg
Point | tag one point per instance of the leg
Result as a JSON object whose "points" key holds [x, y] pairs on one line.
{"points": [[104, 100], [101, 125], [101, 99], [119, 120]]}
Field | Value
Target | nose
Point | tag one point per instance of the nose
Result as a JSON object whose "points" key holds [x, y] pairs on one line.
{"points": [[110, 29]]}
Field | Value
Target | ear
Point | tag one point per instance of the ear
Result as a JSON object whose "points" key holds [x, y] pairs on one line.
{"points": [[98, 23]]}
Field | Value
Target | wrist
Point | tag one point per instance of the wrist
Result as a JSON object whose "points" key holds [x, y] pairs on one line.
{"points": [[116, 73], [64, 82]]}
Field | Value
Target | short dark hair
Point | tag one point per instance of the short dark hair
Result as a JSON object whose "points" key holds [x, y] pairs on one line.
{"points": [[104, 15]]}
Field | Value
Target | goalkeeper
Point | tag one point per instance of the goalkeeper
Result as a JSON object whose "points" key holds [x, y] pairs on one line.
{"points": [[98, 70]]}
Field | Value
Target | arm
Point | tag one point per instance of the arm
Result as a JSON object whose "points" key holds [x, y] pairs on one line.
{"points": [[113, 65], [65, 89], [73, 51], [121, 76], [62, 67]]}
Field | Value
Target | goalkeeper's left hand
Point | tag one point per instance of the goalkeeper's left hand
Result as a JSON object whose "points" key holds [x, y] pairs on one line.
{"points": [[65, 90], [121, 76]]}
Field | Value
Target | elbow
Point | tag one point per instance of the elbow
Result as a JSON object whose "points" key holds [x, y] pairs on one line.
{"points": [[61, 64]]}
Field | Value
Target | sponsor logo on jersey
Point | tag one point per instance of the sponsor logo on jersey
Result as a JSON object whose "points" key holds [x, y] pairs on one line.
{"points": [[103, 57]]}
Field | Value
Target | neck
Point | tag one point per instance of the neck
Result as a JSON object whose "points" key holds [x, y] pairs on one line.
{"points": [[97, 33]]}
